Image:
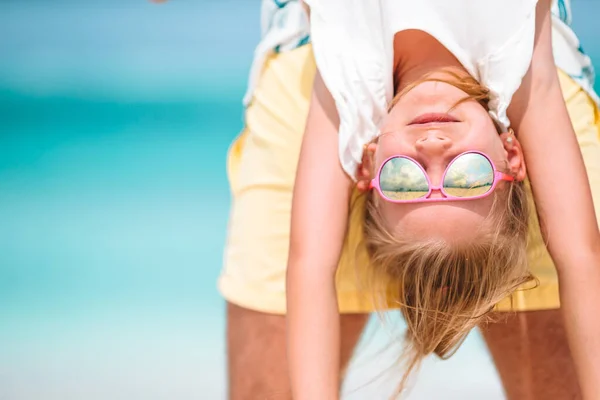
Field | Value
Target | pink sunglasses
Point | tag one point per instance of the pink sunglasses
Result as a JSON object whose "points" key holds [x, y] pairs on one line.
{"points": [[469, 176]]}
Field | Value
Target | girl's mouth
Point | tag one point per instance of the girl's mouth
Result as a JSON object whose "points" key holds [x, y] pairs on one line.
{"points": [[433, 118]]}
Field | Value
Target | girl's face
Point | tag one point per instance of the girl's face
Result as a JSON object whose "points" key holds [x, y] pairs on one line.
{"points": [[420, 126]]}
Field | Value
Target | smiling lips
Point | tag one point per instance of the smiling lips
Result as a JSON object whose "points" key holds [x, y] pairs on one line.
{"points": [[433, 118]]}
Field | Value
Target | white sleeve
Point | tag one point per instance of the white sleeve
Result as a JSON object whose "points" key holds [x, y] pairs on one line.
{"points": [[509, 57], [355, 60]]}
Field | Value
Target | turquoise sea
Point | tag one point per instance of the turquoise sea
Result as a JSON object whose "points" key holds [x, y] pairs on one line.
{"points": [[115, 118]]}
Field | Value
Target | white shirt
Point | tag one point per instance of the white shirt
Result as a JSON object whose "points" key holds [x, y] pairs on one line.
{"points": [[353, 47]]}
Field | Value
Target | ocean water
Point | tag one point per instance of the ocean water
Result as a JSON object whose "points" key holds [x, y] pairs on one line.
{"points": [[115, 119]]}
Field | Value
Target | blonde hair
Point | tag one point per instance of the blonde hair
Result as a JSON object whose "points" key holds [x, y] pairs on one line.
{"points": [[445, 289]]}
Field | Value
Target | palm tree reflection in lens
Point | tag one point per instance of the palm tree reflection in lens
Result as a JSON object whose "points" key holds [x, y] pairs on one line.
{"points": [[402, 179], [469, 175]]}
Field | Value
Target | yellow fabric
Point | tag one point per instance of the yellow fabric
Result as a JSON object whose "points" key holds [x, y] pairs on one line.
{"points": [[262, 165]]}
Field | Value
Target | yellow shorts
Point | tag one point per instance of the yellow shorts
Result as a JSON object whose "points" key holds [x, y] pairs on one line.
{"points": [[262, 166]]}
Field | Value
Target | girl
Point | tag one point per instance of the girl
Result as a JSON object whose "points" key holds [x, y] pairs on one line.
{"points": [[420, 101], [529, 347]]}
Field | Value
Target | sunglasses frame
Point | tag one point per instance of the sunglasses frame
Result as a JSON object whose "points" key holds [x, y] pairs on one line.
{"points": [[498, 176]]}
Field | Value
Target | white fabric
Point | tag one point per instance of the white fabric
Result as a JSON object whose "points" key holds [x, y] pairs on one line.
{"points": [[353, 46]]}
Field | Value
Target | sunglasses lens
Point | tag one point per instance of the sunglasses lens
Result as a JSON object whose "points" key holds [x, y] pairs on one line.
{"points": [[403, 179], [469, 175]]}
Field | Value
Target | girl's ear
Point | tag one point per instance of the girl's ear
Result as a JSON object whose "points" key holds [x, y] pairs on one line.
{"points": [[366, 170], [514, 154]]}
